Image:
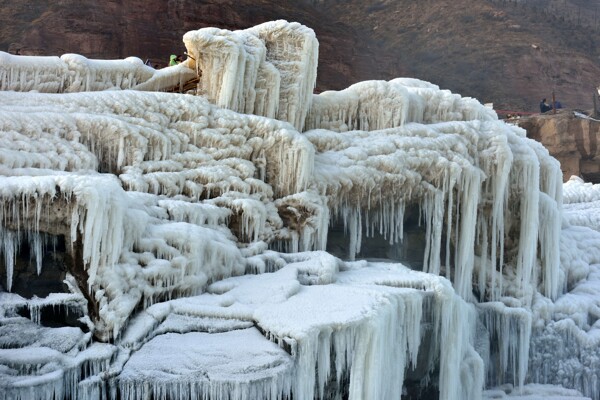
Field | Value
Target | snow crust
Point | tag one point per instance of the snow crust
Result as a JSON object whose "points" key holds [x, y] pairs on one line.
{"points": [[196, 232], [205, 365]]}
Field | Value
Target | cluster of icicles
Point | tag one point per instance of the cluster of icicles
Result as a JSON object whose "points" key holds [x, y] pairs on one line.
{"points": [[75, 73], [168, 193]]}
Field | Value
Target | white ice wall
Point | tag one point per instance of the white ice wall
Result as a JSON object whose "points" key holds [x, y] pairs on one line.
{"points": [[267, 70], [294, 51]]}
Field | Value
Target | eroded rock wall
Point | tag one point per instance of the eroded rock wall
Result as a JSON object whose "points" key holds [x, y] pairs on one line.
{"points": [[572, 138]]}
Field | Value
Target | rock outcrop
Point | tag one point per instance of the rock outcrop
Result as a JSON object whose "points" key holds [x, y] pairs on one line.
{"points": [[572, 138]]}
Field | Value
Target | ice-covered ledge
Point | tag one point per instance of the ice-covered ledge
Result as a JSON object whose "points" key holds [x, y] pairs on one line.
{"points": [[75, 73]]}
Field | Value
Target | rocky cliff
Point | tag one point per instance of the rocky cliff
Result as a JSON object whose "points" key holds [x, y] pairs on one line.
{"points": [[572, 138]]}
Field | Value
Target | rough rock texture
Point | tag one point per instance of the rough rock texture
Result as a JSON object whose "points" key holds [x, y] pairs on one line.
{"points": [[509, 53], [571, 138]]}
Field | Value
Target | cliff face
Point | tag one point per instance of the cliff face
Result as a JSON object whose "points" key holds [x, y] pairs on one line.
{"points": [[571, 138], [511, 55]]}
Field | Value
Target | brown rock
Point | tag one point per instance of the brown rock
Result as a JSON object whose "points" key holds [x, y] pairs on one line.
{"points": [[572, 138]]}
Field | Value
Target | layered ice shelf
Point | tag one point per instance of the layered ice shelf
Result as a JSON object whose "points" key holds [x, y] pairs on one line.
{"points": [[191, 231]]}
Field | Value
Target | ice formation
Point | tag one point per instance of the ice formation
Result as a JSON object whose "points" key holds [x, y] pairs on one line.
{"points": [[196, 225], [269, 70], [75, 73]]}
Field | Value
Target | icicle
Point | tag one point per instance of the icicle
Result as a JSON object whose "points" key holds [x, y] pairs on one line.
{"points": [[203, 169], [221, 57], [511, 329], [412, 324], [470, 186], [549, 238], [35, 243], [526, 177], [354, 231], [434, 215], [9, 248]]}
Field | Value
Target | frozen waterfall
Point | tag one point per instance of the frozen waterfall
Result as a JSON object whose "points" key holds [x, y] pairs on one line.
{"points": [[250, 239]]}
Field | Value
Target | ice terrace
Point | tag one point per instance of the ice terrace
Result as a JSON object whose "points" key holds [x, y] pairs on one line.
{"points": [[194, 231]]}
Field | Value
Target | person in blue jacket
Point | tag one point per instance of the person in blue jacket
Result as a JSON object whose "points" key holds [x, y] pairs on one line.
{"points": [[544, 106]]}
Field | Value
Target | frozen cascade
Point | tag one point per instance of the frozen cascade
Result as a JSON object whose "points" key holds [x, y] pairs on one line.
{"points": [[571, 344], [42, 373], [163, 196], [269, 70], [86, 221], [565, 339], [90, 216], [75, 73], [25, 146], [496, 192], [268, 83], [192, 133], [527, 179], [445, 161], [225, 64], [293, 50], [392, 303], [90, 75], [374, 105], [470, 187], [550, 220], [434, 220], [511, 329], [145, 143], [25, 73]]}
